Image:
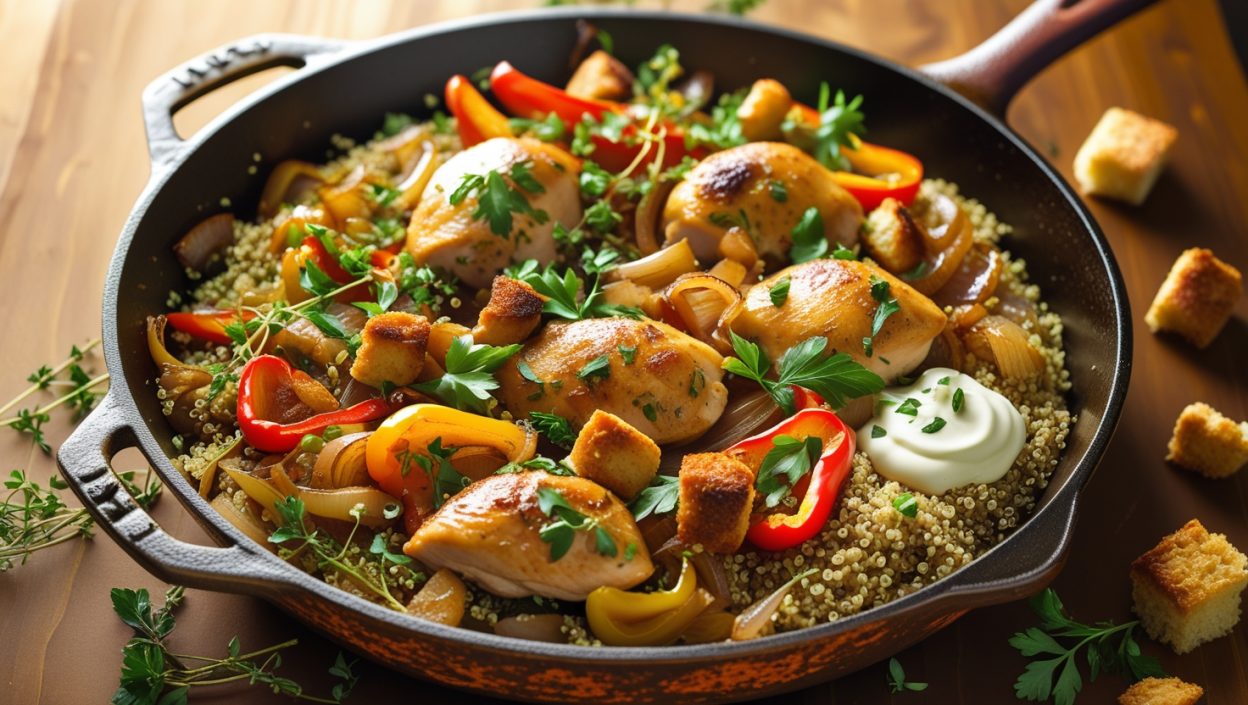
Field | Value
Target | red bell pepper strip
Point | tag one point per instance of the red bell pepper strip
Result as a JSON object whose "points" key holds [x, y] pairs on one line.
{"points": [[869, 160], [314, 250], [475, 118], [528, 97], [258, 388], [778, 532], [208, 325]]}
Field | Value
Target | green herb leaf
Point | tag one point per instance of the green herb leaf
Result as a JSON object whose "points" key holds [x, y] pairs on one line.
{"points": [[556, 428], [779, 292], [628, 352], [809, 240], [550, 129], [906, 504], [897, 678], [909, 407], [469, 376], [779, 192], [958, 399], [659, 498], [878, 431], [936, 424], [787, 462]]}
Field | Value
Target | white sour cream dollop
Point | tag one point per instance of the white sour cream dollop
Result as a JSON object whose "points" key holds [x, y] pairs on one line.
{"points": [[976, 443]]}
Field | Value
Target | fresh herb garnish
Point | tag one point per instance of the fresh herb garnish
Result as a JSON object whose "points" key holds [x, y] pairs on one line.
{"points": [[469, 374], [601, 217], [906, 504], [436, 463], [567, 521], [897, 678], [839, 123], [724, 129], [660, 497], [779, 192], [936, 424], [551, 129], [1110, 648], [809, 240], [843, 253], [909, 407], [628, 352], [835, 377], [563, 294], [557, 429], [943, 381], [786, 463], [958, 399], [152, 674], [878, 431], [779, 292], [886, 305], [498, 201], [594, 180], [597, 368]]}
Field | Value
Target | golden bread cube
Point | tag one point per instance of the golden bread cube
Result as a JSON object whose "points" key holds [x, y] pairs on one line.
{"points": [[1123, 156], [1186, 590], [615, 455], [1197, 297], [1162, 691], [716, 497], [1207, 442], [392, 349]]}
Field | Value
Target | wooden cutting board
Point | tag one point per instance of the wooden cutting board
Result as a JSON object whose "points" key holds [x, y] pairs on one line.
{"points": [[72, 160]]}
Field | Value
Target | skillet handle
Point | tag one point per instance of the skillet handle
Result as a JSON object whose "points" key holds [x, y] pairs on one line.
{"points": [[991, 73], [205, 73], [84, 459]]}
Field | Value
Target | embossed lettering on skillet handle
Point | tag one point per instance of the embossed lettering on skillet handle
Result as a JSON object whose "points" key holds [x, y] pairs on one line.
{"points": [[207, 72]]}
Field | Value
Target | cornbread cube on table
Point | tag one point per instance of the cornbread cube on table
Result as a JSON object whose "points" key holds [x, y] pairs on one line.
{"points": [[617, 456], [1186, 590], [716, 496], [1162, 691], [1123, 156], [1207, 442], [1197, 297]]}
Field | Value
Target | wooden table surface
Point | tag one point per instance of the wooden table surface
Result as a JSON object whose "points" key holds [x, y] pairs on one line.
{"points": [[73, 159]]}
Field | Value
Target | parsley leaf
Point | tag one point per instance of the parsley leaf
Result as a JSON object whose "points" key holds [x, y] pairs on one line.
{"points": [[551, 129], [787, 462], [958, 400], [906, 504], [809, 240], [936, 424], [724, 129], [498, 201], [567, 521], [660, 497], [886, 306], [897, 678], [779, 192], [837, 378], [556, 428], [469, 374], [779, 292], [597, 368], [839, 123], [909, 407]]}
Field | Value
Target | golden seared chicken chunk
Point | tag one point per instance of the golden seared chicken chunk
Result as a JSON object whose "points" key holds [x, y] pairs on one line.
{"points": [[458, 238], [491, 534], [833, 298], [742, 187], [659, 380]]}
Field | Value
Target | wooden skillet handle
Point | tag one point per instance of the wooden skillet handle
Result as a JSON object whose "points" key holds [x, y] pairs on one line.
{"points": [[991, 73]]}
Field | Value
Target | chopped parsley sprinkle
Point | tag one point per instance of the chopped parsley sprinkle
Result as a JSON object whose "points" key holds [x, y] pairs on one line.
{"points": [[697, 383], [958, 399], [779, 192], [649, 412], [943, 380], [599, 367], [909, 407], [906, 504], [629, 353], [878, 431], [779, 292], [936, 424]]}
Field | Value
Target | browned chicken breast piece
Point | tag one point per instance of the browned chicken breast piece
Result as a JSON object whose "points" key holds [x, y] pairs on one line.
{"points": [[659, 380], [832, 298], [738, 186], [448, 236], [490, 534]]}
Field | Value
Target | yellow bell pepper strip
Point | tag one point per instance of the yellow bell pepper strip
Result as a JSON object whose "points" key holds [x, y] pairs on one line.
{"points": [[475, 118], [208, 325], [264, 379], [620, 618], [392, 449], [777, 532], [528, 97], [870, 161]]}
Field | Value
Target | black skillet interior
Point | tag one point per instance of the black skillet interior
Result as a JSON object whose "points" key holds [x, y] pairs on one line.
{"points": [[1066, 255]]}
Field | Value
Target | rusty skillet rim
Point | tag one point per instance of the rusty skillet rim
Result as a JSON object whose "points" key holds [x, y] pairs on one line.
{"points": [[947, 589]]}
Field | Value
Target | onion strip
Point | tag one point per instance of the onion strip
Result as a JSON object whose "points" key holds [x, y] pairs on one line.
{"points": [[749, 624], [660, 268]]}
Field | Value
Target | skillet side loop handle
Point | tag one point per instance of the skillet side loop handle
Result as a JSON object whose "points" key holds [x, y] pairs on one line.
{"points": [[84, 460], [991, 73], [205, 73], [1006, 577]]}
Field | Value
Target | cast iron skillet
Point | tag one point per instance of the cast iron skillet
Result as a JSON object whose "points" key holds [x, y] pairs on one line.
{"points": [[344, 87]]}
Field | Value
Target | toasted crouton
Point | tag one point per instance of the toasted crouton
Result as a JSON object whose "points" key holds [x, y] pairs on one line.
{"points": [[1162, 691], [1186, 589], [392, 349], [1208, 442], [716, 496], [601, 77], [892, 238], [512, 314], [1123, 155], [615, 455], [763, 110], [1197, 297]]}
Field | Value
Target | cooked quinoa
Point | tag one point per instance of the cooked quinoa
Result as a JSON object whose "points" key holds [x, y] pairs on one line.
{"points": [[867, 555]]}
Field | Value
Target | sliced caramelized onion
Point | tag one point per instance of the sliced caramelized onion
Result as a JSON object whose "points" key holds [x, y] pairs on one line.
{"points": [[947, 238], [750, 623], [347, 198], [1019, 309], [378, 508], [341, 463], [646, 221], [712, 625], [156, 342], [1006, 344], [300, 217], [974, 280], [533, 627], [441, 599], [627, 293], [289, 181], [209, 476], [714, 578], [946, 351], [657, 530], [659, 269], [202, 247], [405, 144], [260, 491], [700, 300], [242, 519], [857, 411], [967, 315], [412, 187], [738, 246], [730, 271]]}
